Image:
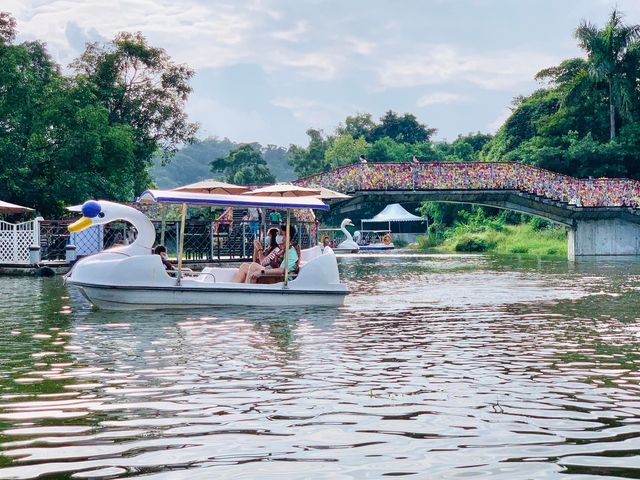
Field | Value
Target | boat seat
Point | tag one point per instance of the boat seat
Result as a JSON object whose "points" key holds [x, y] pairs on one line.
{"points": [[268, 278]]}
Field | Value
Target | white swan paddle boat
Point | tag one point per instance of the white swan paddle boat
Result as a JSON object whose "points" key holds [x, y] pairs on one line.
{"points": [[348, 245], [131, 277], [374, 240]]}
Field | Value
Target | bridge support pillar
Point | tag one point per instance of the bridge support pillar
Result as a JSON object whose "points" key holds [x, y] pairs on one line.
{"points": [[606, 237]]}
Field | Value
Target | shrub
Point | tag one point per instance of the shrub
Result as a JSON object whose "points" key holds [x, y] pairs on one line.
{"points": [[519, 249], [538, 223], [429, 241], [472, 243]]}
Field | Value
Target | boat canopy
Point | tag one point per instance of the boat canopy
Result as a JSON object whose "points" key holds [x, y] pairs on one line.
{"points": [[170, 196]]}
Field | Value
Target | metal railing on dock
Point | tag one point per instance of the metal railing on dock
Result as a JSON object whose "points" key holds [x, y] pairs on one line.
{"points": [[205, 241]]}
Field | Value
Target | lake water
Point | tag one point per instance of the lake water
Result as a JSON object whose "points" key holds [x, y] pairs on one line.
{"points": [[437, 367]]}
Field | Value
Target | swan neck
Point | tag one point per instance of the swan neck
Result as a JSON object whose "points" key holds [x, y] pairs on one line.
{"points": [[346, 233], [146, 236]]}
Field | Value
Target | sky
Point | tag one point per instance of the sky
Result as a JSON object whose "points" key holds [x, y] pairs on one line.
{"points": [[267, 70]]}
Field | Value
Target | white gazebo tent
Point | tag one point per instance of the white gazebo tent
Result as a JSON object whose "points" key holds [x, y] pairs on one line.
{"points": [[392, 213]]}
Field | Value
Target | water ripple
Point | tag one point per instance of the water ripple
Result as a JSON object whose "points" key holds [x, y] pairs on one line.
{"points": [[437, 367]]}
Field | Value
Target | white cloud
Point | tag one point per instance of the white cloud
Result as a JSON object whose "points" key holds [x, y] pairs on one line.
{"points": [[324, 59], [317, 65], [202, 34], [440, 97], [310, 111], [438, 64], [242, 126], [293, 34], [359, 46], [499, 121]]}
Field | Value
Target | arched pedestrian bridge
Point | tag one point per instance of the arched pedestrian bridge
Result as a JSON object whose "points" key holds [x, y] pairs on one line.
{"points": [[603, 214]]}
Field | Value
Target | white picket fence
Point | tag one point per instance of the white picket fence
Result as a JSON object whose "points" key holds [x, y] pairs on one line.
{"points": [[15, 240]]}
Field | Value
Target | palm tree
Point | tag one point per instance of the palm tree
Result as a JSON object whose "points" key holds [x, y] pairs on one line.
{"points": [[612, 57]]}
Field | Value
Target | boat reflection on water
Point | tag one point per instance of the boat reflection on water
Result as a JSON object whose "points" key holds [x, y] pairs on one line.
{"points": [[200, 335]]}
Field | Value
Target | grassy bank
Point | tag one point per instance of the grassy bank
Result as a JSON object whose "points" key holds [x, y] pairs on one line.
{"points": [[495, 238]]}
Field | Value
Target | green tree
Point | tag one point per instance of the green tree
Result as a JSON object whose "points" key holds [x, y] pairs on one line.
{"points": [[613, 58], [243, 166], [465, 148], [403, 129], [386, 149], [30, 87], [59, 143], [142, 87], [359, 125], [345, 150], [278, 160], [192, 162], [310, 160]]}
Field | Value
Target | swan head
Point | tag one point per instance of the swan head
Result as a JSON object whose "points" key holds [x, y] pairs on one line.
{"points": [[98, 212], [347, 223]]}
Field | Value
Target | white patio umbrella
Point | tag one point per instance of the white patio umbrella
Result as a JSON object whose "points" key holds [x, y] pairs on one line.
{"points": [[203, 186], [6, 207], [284, 190], [326, 194], [212, 186]]}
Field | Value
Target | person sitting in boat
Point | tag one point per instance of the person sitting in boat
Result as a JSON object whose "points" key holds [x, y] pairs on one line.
{"points": [[325, 241], [249, 272], [162, 251], [258, 253]]}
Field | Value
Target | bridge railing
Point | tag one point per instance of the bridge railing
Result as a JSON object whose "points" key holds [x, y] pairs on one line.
{"points": [[582, 192]]}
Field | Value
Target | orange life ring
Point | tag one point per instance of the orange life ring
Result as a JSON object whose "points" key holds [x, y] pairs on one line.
{"points": [[386, 239]]}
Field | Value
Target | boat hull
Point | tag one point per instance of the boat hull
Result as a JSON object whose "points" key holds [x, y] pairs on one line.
{"points": [[156, 298], [112, 282], [346, 250]]}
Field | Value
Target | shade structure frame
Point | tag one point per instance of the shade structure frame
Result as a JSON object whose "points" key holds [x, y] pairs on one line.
{"points": [[245, 201]]}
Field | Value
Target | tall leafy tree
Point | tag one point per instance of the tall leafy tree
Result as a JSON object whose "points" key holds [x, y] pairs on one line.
{"points": [[30, 87], [243, 166], [311, 159], [613, 59], [140, 86], [359, 125], [64, 139], [345, 150], [401, 128]]}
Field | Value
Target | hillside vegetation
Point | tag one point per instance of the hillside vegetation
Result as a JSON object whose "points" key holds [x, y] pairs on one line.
{"points": [[192, 163]]}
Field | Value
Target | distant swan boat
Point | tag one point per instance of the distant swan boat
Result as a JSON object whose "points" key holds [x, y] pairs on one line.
{"points": [[374, 240], [348, 245]]}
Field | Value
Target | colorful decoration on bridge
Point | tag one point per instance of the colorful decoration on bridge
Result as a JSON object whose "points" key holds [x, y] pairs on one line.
{"points": [[580, 192]]}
